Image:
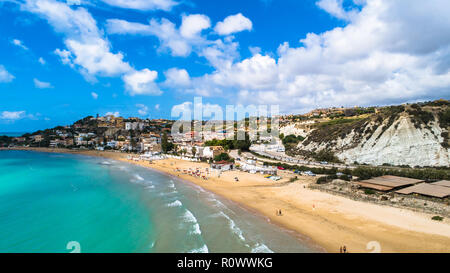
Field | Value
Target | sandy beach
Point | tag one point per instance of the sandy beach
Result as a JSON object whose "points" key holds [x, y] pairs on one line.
{"points": [[327, 220]]}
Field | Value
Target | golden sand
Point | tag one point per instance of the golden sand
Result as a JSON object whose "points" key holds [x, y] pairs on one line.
{"points": [[328, 220]]}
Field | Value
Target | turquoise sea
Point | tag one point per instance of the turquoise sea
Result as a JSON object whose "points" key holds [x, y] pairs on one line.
{"points": [[60, 203]]}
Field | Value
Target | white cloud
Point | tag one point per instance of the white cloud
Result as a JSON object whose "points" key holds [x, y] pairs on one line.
{"points": [[165, 30], [94, 95], [7, 115], [19, 43], [389, 52], [94, 57], [185, 107], [142, 83], [142, 109], [42, 61], [186, 110], [233, 24], [255, 50], [116, 114], [192, 25], [143, 4], [42, 85], [157, 107], [177, 78], [336, 9], [5, 76], [87, 49], [181, 42]]}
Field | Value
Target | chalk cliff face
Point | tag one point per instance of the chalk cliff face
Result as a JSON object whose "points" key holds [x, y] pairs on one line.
{"points": [[401, 144], [294, 129], [396, 140]]}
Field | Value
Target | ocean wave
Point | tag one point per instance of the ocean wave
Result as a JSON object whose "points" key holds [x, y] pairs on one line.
{"points": [[234, 228], [217, 203], [105, 163], [176, 203], [261, 248], [196, 229], [138, 177], [203, 249], [189, 217]]}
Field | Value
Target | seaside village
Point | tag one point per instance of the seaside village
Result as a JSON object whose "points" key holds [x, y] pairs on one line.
{"points": [[152, 140]]}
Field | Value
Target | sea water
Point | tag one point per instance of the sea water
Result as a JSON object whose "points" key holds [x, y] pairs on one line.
{"points": [[61, 203]]}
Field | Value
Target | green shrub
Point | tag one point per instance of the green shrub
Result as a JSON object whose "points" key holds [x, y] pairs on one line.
{"points": [[437, 218], [369, 192]]}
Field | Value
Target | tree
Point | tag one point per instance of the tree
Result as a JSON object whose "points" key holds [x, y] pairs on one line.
{"points": [[222, 157], [194, 151], [166, 146]]}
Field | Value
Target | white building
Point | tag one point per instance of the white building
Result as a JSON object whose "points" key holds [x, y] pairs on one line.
{"points": [[134, 126]]}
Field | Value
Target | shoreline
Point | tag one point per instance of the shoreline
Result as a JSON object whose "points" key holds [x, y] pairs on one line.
{"points": [[315, 218]]}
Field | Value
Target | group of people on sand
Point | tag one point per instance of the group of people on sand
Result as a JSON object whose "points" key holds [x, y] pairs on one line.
{"points": [[196, 173]]}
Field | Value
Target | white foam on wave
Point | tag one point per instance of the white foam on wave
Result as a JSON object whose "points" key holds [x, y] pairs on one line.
{"points": [[217, 203], [234, 228], [203, 249], [190, 218], [196, 229], [176, 203], [106, 163], [261, 248], [138, 177]]}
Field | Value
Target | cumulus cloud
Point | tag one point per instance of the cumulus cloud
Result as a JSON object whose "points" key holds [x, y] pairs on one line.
{"points": [[177, 78], [142, 83], [192, 25], [182, 41], [143, 4], [42, 85], [178, 40], [5, 76], [233, 24], [389, 52], [86, 47], [94, 95], [12, 115], [336, 9]]}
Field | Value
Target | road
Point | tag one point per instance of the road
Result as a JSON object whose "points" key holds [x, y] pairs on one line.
{"points": [[279, 158]]}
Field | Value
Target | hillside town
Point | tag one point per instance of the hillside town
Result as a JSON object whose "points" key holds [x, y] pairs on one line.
{"points": [[322, 136]]}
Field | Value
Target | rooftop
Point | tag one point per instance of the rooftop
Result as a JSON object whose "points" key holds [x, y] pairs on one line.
{"points": [[444, 183], [388, 182], [428, 190]]}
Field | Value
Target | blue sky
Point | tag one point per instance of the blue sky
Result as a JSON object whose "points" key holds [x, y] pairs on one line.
{"points": [[63, 60]]}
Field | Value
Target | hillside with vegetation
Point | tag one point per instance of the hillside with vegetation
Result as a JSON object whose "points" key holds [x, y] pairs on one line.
{"points": [[411, 134]]}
